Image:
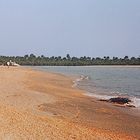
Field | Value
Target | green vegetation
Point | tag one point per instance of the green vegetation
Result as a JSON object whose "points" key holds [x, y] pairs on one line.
{"points": [[68, 60]]}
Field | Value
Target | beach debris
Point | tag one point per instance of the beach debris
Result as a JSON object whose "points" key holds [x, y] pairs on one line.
{"points": [[123, 101], [119, 100]]}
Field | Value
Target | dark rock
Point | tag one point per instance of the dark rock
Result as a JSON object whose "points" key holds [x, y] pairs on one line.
{"points": [[119, 100]]}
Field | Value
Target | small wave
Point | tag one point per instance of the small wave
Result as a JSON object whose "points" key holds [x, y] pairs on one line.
{"points": [[82, 77], [117, 93], [106, 97], [136, 101]]}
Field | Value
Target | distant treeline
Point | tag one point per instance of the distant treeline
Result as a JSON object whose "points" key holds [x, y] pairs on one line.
{"points": [[68, 60]]}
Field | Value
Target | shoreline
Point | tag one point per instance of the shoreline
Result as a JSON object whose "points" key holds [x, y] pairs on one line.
{"points": [[125, 66], [43, 105], [76, 79]]}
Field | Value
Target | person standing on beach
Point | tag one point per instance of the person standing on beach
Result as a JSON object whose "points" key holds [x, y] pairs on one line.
{"points": [[8, 64]]}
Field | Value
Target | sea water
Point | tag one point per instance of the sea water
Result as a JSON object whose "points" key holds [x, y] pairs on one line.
{"points": [[104, 81]]}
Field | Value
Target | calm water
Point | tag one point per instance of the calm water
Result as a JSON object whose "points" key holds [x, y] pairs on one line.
{"points": [[104, 81]]}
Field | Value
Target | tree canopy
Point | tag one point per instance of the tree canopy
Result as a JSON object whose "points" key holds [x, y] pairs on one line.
{"points": [[42, 60]]}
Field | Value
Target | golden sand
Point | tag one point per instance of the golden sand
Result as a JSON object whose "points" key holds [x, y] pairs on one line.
{"points": [[38, 105]]}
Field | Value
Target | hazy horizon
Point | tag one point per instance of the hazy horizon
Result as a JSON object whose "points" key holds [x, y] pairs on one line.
{"points": [[77, 27]]}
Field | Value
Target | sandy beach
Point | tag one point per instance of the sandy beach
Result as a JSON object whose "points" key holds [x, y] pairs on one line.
{"points": [[37, 105]]}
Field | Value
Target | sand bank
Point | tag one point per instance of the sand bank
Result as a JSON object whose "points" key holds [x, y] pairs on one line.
{"points": [[44, 106]]}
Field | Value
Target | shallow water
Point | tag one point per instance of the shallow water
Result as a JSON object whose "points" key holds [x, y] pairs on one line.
{"points": [[103, 81]]}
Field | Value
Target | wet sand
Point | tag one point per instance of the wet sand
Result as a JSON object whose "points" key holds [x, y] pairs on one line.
{"points": [[38, 105]]}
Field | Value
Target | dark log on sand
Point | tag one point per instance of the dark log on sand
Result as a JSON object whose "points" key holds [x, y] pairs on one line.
{"points": [[119, 100]]}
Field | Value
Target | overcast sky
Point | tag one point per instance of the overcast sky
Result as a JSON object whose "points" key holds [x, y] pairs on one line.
{"points": [[78, 27]]}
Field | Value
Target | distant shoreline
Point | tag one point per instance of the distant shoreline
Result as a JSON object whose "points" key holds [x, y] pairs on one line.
{"points": [[84, 66]]}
